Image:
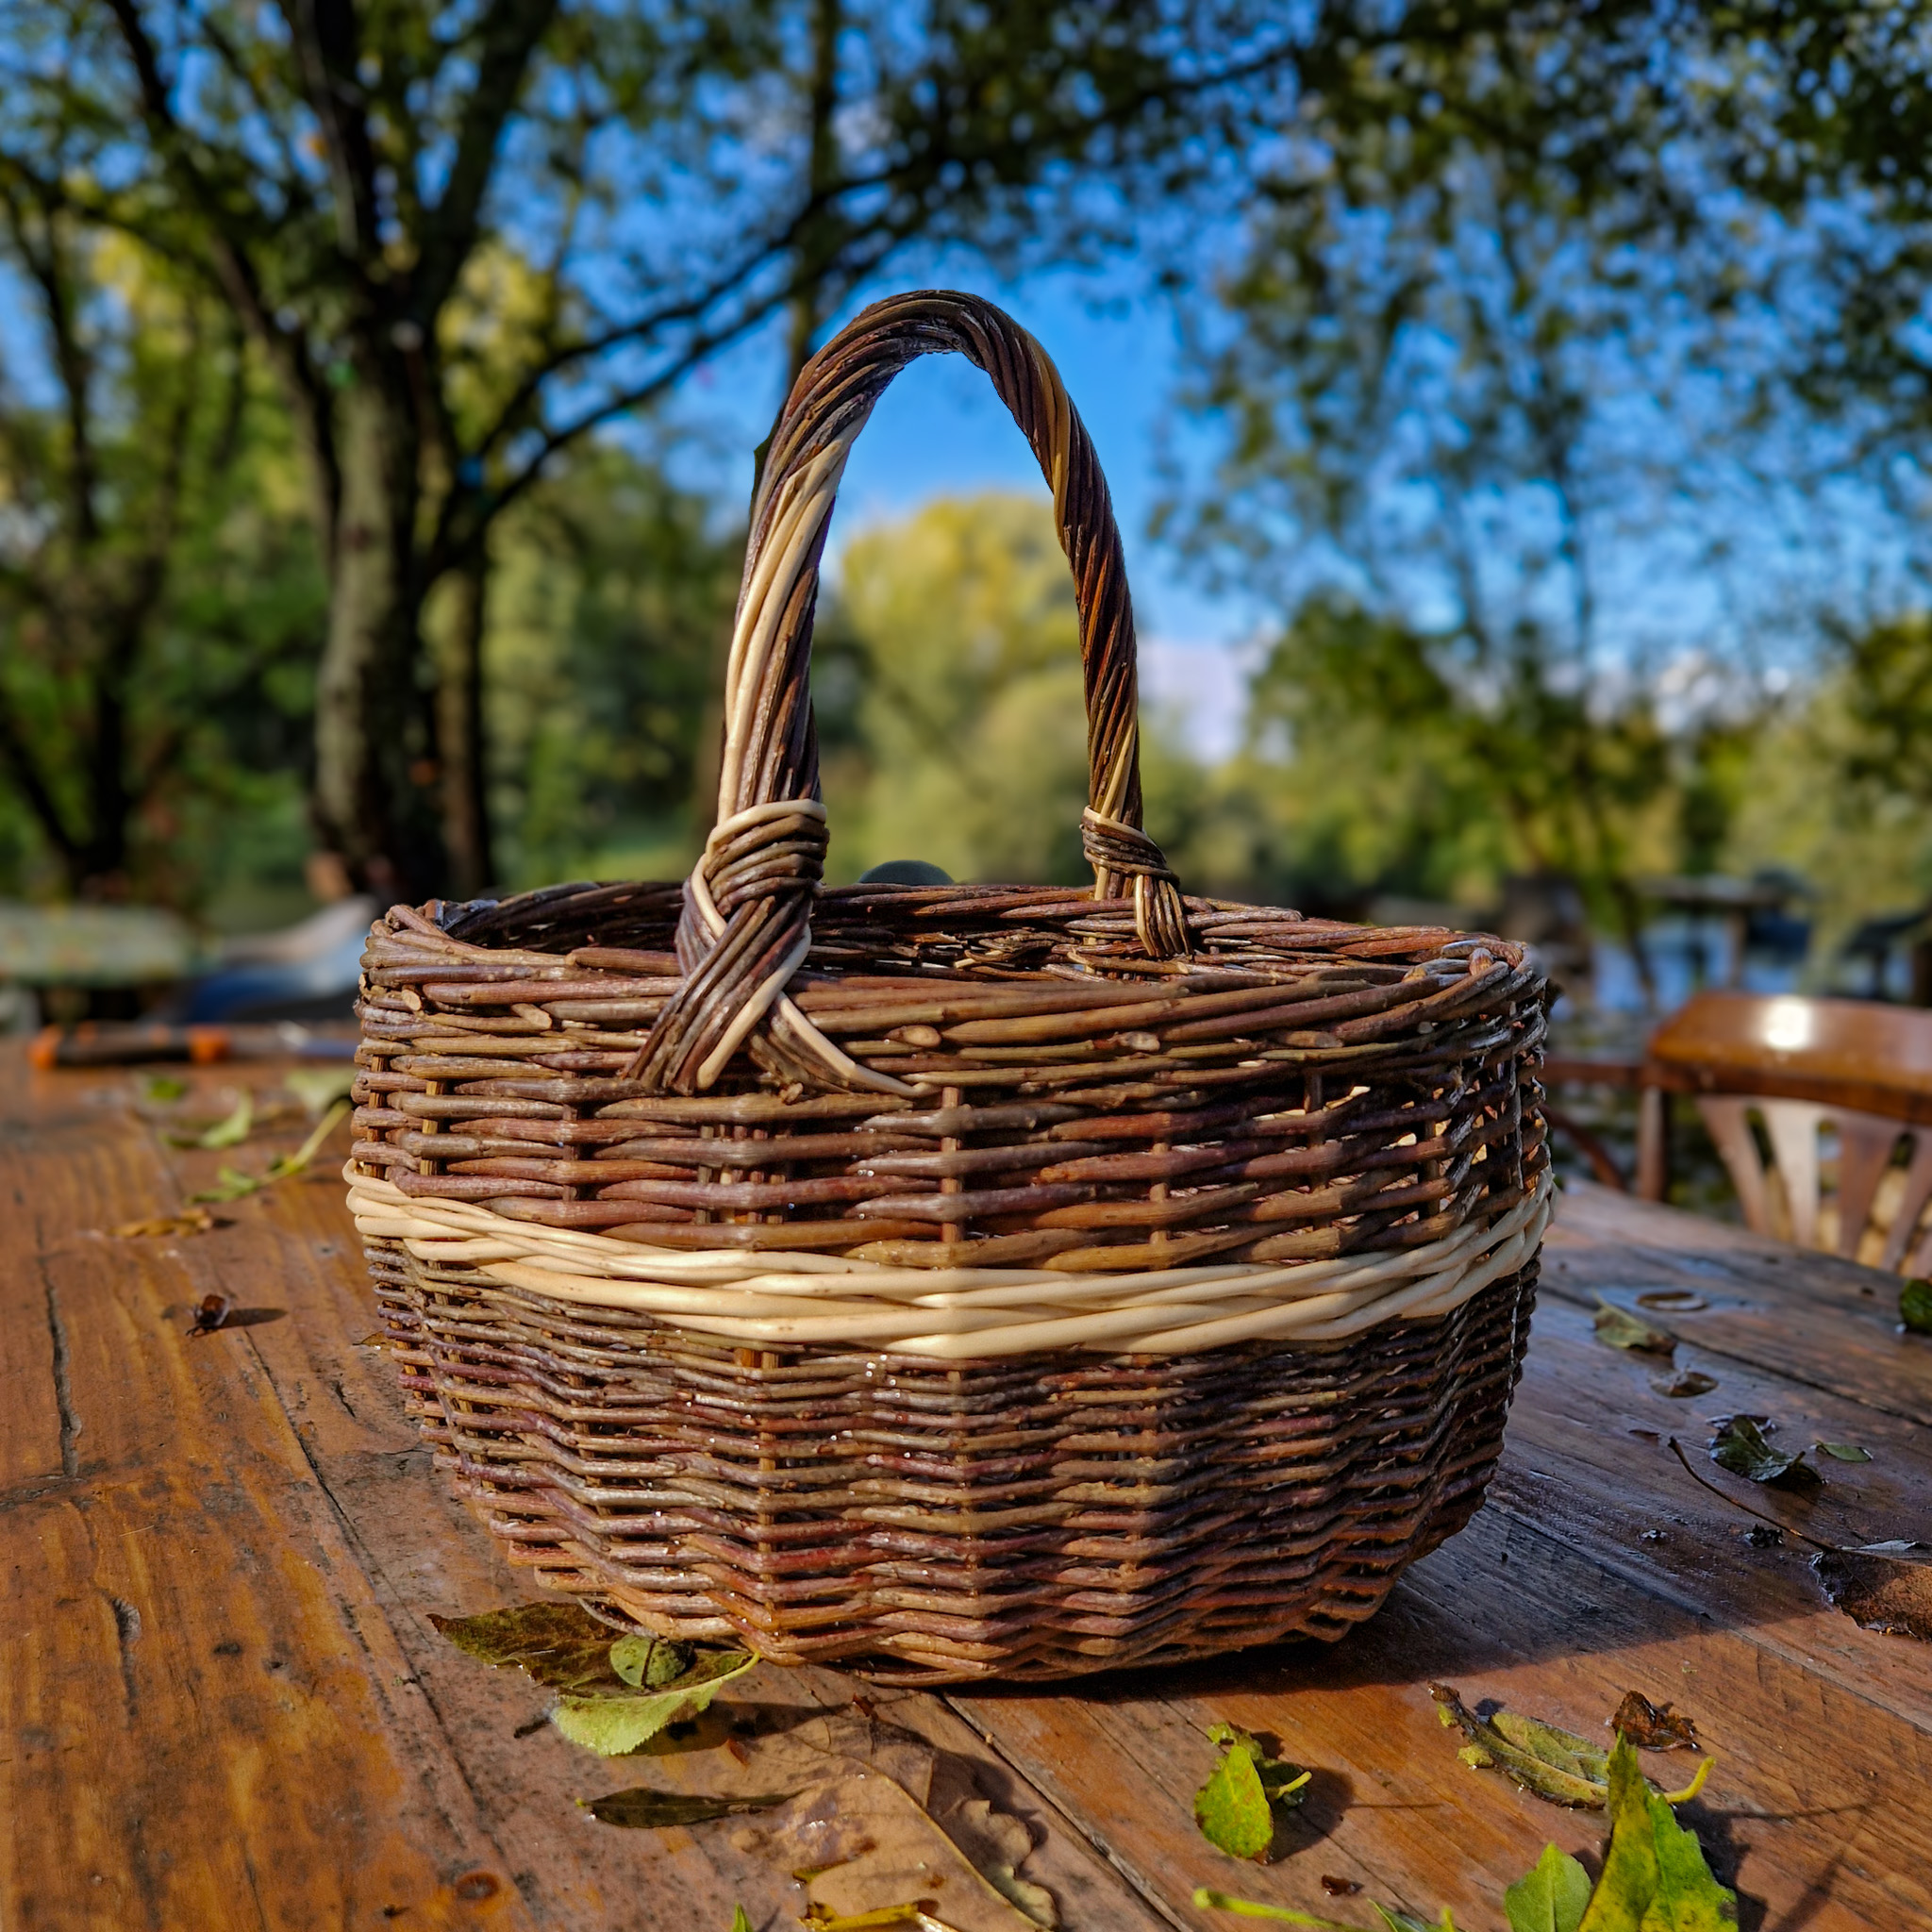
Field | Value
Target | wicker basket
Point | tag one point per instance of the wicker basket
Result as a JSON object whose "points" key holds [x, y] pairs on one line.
{"points": [[953, 1281]]}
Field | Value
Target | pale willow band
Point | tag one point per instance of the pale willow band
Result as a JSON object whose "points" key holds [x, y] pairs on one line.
{"points": [[780, 1300]]}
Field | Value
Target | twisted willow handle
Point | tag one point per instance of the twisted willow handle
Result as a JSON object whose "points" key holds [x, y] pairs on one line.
{"points": [[747, 924]]}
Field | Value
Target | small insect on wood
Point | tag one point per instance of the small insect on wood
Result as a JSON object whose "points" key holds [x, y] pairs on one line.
{"points": [[210, 1313]]}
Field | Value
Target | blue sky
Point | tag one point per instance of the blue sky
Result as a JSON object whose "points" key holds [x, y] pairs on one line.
{"points": [[939, 430]]}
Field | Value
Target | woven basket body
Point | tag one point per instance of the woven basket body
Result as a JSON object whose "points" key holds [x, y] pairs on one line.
{"points": [[953, 1281]]}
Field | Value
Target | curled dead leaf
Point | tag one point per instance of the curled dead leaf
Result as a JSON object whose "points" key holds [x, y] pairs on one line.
{"points": [[1654, 1726], [1622, 1329]]}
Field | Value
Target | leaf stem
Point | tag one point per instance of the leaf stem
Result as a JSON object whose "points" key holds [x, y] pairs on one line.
{"points": [[1677, 1448]]}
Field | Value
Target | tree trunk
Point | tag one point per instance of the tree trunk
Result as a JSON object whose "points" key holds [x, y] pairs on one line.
{"points": [[375, 781], [461, 744]]}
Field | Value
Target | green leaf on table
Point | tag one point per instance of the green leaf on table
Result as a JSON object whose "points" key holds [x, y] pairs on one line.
{"points": [[644, 1810], [1235, 1808], [317, 1087], [231, 1184], [232, 1131], [740, 1922], [1739, 1446], [1208, 1900], [1622, 1329], [1552, 1763], [1654, 1877], [163, 1087], [649, 1663], [562, 1645], [1552, 1898], [611, 1726], [1844, 1451], [1915, 1306]]}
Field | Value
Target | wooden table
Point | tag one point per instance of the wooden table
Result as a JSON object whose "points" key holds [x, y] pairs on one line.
{"points": [[225, 1706]]}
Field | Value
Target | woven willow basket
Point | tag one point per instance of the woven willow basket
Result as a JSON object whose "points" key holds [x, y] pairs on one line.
{"points": [[958, 1281]]}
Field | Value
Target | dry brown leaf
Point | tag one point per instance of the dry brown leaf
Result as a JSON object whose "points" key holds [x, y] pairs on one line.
{"points": [[1654, 1726], [189, 1221], [864, 1839]]}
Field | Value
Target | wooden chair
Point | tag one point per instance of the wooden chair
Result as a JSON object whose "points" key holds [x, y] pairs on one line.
{"points": [[1855, 1069]]}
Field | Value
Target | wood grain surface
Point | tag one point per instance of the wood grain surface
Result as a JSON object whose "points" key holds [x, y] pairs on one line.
{"points": [[225, 1706]]}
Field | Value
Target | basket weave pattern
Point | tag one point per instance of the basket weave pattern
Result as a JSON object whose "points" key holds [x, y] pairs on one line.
{"points": [[959, 1281]]}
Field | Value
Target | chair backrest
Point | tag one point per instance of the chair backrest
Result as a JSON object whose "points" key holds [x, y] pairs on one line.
{"points": [[1877, 1205], [1859, 1054], [1856, 1069]]}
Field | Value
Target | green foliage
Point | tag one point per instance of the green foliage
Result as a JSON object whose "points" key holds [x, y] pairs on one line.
{"points": [[612, 1725], [947, 681], [159, 595], [1654, 1877], [1235, 1808], [1741, 1447], [1551, 1898], [604, 655]]}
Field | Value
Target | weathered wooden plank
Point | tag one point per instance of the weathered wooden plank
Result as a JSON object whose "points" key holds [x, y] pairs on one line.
{"points": [[264, 1490], [199, 1693], [1816, 1809], [1811, 1317]]}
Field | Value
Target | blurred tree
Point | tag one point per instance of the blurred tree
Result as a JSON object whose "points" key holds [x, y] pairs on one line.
{"points": [[946, 680], [1468, 385], [611, 608], [662, 179], [159, 600]]}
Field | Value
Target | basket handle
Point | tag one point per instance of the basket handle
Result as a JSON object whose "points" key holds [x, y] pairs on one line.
{"points": [[746, 926]]}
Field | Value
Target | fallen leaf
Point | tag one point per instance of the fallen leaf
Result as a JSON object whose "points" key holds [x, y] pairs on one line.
{"points": [[1622, 1329], [912, 1914], [610, 1726], [1739, 1446], [864, 1839], [1915, 1306], [996, 1844], [231, 1184], [562, 1645], [1654, 1877], [189, 1221], [1552, 1898], [230, 1131], [1844, 1451], [1208, 1900], [1552, 1763], [1679, 1382], [1235, 1808], [319, 1087], [1884, 1587], [1653, 1726], [649, 1663], [643, 1808], [1543, 1758]]}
